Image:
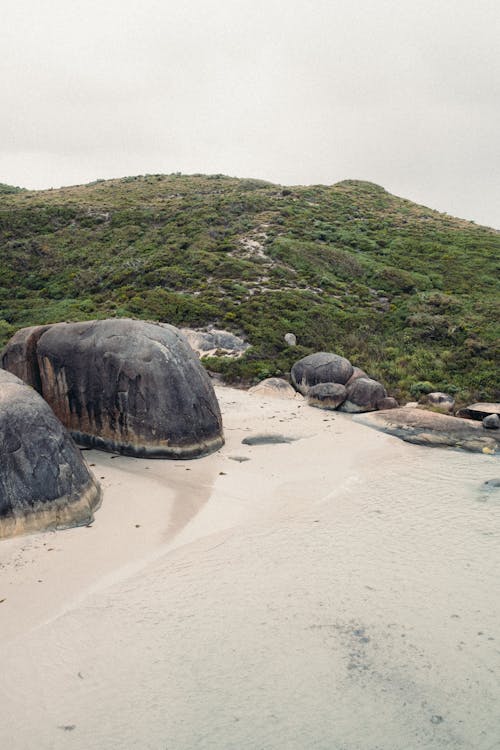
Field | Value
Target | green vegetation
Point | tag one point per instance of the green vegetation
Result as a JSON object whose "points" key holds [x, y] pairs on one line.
{"points": [[406, 293]]}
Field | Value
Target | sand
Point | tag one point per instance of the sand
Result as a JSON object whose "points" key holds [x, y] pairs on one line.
{"points": [[336, 591]]}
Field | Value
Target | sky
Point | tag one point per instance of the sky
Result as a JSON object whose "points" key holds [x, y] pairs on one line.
{"points": [[404, 93]]}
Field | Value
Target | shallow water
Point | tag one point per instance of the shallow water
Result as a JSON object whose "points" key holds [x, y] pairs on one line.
{"points": [[353, 610]]}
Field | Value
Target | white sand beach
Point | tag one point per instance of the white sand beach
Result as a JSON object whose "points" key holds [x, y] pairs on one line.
{"points": [[336, 592]]}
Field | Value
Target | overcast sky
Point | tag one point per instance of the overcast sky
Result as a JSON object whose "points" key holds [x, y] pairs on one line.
{"points": [[405, 93]]}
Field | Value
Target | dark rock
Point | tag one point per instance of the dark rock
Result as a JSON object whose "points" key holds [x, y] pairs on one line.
{"points": [[326, 395], [433, 429], [387, 403], [492, 422], [129, 387], [274, 388], [322, 367], [363, 394], [479, 411], [441, 400], [44, 481], [19, 356]]}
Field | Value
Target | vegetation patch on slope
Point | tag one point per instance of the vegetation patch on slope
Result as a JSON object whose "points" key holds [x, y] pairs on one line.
{"points": [[408, 294]]}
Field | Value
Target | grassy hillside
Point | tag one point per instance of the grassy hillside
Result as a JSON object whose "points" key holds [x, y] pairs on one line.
{"points": [[407, 293]]}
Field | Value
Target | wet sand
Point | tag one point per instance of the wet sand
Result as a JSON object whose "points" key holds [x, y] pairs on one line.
{"points": [[336, 591]]}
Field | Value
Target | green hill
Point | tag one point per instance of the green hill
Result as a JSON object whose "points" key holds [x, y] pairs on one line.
{"points": [[407, 293]]}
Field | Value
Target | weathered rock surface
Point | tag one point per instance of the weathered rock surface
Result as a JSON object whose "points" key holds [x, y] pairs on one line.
{"points": [[357, 373], [492, 422], [363, 394], [215, 342], [387, 403], [128, 386], [433, 429], [322, 367], [326, 395], [19, 356], [44, 481], [290, 339], [442, 400], [479, 411], [274, 388]]}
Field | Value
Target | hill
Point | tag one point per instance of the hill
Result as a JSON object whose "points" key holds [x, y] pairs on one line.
{"points": [[407, 293]]}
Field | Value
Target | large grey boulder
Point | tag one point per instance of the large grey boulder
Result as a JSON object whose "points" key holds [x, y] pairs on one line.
{"points": [[322, 367], [363, 394], [357, 372], [492, 422], [326, 395], [19, 356], [433, 429], [128, 386], [44, 482]]}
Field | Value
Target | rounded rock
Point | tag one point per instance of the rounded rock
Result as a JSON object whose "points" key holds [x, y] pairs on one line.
{"points": [[44, 483], [274, 388], [322, 367], [290, 339], [326, 395], [442, 400], [492, 422], [129, 386], [363, 395]]}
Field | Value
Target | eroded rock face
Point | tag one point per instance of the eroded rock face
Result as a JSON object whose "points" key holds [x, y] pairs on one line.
{"points": [[322, 367], [215, 342], [274, 388], [326, 395], [363, 394], [44, 482], [19, 356], [433, 429], [128, 386]]}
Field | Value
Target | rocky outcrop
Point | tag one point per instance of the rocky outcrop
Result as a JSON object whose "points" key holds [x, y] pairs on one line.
{"points": [[479, 411], [128, 386], [363, 394], [433, 429], [322, 367], [44, 482], [274, 388], [326, 395], [440, 400], [215, 343]]}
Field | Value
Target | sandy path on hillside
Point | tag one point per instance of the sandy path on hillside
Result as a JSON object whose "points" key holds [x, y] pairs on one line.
{"points": [[336, 591]]}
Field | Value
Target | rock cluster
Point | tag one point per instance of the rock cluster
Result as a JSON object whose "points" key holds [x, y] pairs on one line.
{"points": [[44, 482], [121, 385], [330, 381]]}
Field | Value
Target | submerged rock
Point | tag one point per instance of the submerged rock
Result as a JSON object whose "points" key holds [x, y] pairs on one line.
{"points": [[274, 388], [44, 481], [322, 367], [363, 394], [326, 395], [433, 429], [128, 386]]}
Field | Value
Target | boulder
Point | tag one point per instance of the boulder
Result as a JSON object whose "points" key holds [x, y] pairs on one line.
{"points": [[357, 373], [387, 403], [326, 395], [433, 429], [492, 422], [274, 388], [363, 394], [290, 339], [442, 400], [214, 342], [128, 386], [479, 411], [44, 482], [411, 405], [322, 367], [19, 357]]}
